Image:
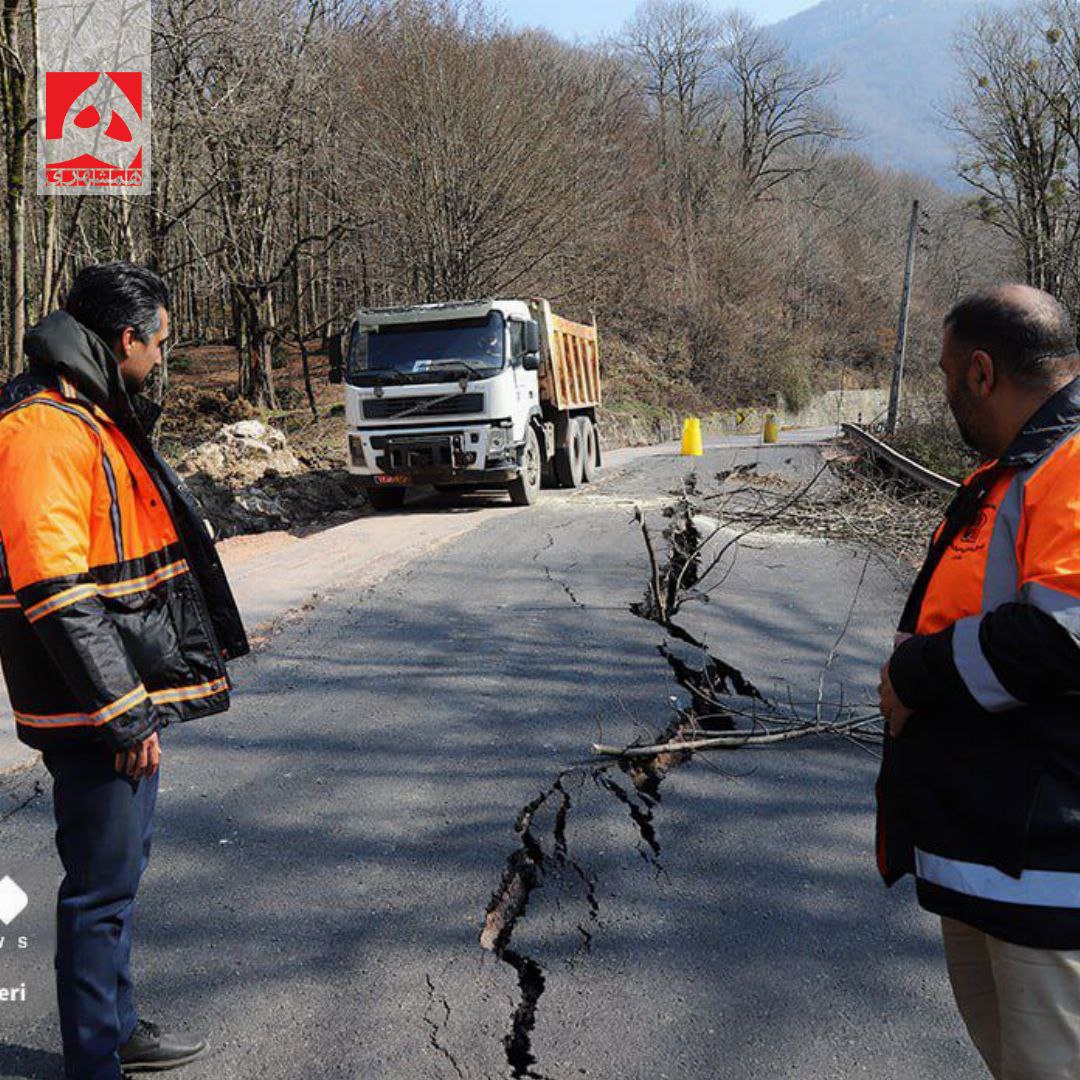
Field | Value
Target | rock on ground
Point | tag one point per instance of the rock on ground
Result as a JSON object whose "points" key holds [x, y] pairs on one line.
{"points": [[242, 454], [249, 480]]}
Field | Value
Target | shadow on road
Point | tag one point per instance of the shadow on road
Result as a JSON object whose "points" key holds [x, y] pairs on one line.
{"points": [[327, 852], [26, 1063]]}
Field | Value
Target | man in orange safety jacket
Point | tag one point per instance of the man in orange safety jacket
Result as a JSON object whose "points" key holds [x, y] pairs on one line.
{"points": [[115, 620], [979, 792]]}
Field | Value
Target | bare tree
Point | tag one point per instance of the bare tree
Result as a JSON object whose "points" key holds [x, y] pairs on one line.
{"points": [[1016, 121], [15, 87], [249, 104], [492, 176], [784, 127], [674, 45]]}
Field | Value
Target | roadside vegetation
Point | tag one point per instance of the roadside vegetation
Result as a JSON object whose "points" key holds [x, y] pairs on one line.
{"points": [[934, 441], [686, 184]]}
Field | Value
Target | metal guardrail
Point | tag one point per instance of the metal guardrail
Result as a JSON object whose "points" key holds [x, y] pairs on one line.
{"points": [[884, 452]]}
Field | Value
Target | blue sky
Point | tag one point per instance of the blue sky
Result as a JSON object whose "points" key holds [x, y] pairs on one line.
{"points": [[589, 19]]}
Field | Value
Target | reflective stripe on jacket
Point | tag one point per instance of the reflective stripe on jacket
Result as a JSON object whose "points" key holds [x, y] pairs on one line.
{"points": [[980, 797], [105, 627]]}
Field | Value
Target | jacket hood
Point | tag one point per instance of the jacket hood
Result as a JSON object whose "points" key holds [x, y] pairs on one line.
{"points": [[60, 345]]}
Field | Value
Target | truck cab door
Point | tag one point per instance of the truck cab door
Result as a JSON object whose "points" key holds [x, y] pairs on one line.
{"points": [[526, 385]]}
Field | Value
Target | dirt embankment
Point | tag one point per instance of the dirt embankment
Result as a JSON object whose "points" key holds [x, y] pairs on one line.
{"points": [[290, 473], [250, 480], [258, 472]]}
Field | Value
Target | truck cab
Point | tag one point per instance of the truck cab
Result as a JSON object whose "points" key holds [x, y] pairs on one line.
{"points": [[451, 395]]}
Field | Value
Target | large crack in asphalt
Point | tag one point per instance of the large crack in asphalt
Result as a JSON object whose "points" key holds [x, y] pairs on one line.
{"points": [[20, 787], [544, 850], [526, 869]]}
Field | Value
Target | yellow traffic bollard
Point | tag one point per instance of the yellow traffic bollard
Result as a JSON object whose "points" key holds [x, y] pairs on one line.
{"points": [[691, 438], [771, 432]]}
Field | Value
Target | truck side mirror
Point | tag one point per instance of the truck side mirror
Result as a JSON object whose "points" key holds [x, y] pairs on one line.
{"points": [[531, 361], [532, 339], [337, 366]]}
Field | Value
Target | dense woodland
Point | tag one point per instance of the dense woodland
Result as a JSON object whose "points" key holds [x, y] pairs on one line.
{"points": [[687, 183]]}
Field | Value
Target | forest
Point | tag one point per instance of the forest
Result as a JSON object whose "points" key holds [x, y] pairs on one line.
{"points": [[688, 184]]}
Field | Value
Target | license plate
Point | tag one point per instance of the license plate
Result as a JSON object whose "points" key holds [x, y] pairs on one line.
{"points": [[391, 479]]}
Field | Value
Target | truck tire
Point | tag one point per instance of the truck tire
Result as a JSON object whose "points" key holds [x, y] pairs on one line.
{"points": [[525, 490], [588, 449], [386, 498], [569, 461]]}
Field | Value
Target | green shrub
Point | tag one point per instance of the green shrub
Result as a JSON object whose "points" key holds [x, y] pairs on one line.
{"points": [[290, 397], [795, 383], [936, 443]]}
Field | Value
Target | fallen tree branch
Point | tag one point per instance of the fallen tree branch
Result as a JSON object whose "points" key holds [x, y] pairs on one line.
{"points": [[731, 741], [709, 721], [653, 564]]}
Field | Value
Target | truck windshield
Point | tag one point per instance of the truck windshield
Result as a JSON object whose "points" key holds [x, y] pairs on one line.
{"points": [[426, 352]]}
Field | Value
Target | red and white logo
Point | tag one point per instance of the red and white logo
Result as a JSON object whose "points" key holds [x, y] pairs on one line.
{"points": [[94, 129]]}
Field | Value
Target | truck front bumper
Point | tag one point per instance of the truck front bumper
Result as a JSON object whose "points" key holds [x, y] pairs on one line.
{"points": [[415, 458], [475, 477]]}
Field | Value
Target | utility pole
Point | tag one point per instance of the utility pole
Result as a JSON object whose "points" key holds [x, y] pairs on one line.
{"points": [[901, 335]]}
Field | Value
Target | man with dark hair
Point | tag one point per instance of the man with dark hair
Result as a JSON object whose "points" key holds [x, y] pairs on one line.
{"points": [[109, 297], [115, 620], [979, 792]]}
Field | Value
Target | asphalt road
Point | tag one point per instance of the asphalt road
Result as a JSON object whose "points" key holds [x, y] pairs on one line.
{"points": [[326, 853]]}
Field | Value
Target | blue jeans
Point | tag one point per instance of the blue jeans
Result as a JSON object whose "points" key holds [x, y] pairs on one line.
{"points": [[104, 824]]}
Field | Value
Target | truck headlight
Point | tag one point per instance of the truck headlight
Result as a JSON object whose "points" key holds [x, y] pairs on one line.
{"points": [[498, 441], [356, 451]]}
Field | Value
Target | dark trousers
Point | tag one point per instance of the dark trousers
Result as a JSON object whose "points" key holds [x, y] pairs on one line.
{"points": [[104, 823]]}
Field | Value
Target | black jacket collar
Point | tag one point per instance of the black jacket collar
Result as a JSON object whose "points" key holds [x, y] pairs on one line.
{"points": [[66, 355], [1051, 423], [61, 346]]}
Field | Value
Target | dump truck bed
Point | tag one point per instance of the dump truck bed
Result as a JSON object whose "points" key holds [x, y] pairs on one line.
{"points": [[570, 371]]}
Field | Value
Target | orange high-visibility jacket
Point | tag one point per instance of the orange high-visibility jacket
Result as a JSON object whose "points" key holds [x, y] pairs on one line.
{"points": [[115, 617], [980, 796]]}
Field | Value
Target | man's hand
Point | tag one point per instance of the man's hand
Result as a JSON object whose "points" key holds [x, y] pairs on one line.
{"points": [[892, 708], [141, 760]]}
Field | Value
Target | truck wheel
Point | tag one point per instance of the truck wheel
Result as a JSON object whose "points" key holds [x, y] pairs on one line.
{"points": [[588, 451], [569, 459], [386, 498], [525, 490]]}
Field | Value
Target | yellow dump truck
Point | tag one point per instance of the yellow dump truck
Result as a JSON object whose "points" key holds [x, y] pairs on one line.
{"points": [[479, 394]]}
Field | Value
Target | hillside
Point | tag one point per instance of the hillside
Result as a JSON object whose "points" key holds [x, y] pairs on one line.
{"points": [[897, 71]]}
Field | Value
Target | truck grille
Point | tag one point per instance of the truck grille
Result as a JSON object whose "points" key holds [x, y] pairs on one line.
{"points": [[417, 455], [386, 408], [380, 442]]}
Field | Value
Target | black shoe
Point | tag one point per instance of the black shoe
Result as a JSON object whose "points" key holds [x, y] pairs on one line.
{"points": [[148, 1050]]}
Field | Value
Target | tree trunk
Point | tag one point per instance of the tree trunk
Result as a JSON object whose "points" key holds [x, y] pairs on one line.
{"points": [[256, 352], [48, 259], [308, 388], [14, 83]]}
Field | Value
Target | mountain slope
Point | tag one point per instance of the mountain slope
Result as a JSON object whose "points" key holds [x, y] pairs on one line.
{"points": [[897, 71]]}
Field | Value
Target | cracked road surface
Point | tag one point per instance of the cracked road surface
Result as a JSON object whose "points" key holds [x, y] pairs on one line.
{"points": [[403, 796]]}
